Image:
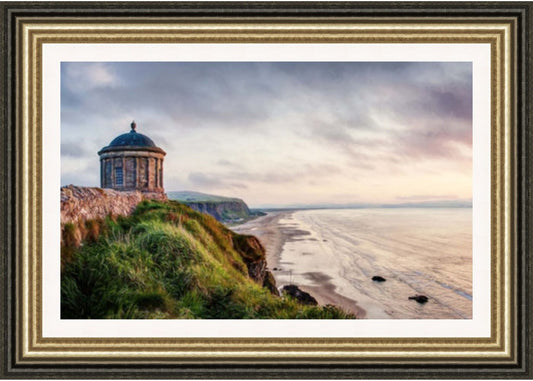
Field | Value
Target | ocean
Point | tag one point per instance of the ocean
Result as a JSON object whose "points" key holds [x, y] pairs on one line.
{"points": [[418, 251]]}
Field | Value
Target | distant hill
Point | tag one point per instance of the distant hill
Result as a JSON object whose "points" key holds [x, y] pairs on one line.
{"points": [[432, 204], [419, 204], [224, 209]]}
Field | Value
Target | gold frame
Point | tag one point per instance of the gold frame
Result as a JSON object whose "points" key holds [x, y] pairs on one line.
{"points": [[33, 349]]}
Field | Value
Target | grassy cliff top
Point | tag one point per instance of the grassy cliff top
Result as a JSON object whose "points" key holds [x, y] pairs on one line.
{"points": [[190, 196], [167, 261]]}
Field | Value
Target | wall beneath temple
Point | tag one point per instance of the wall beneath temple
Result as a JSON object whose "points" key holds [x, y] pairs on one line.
{"points": [[88, 203]]}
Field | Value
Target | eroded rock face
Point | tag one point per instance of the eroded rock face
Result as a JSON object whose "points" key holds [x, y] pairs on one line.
{"points": [[269, 282], [89, 203], [254, 256]]}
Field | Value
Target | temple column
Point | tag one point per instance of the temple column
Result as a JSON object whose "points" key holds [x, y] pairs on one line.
{"points": [[151, 184], [161, 175], [138, 171], [106, 185], [146, 183], [156, 185], [112, 172]]}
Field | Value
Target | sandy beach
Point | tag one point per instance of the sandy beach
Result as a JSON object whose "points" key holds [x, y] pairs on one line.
{"points": [[334, 254], [274, 235]]}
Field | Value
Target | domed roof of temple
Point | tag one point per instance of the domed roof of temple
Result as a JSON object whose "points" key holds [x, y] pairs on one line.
{"points": [[132, 140]]}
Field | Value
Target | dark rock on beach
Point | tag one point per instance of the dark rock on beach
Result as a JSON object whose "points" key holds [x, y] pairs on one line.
{"points": [[419, 298], [377, 278], [301, 296]]}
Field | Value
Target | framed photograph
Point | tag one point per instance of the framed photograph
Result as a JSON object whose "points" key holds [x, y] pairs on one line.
{"points": [[262, 190]]}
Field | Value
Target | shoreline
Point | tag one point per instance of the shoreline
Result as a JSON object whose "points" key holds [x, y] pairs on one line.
{"points": [[334, 256], [273, 237]]}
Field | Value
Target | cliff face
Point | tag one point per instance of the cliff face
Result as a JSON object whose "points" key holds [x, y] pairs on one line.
{"points": [[225, 211], [90, 203], [254, 256]]}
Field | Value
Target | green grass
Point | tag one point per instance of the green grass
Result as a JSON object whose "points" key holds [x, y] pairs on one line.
{"points": [[166, 261]]}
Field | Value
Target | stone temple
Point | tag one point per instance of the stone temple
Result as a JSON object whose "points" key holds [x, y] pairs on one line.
{"points": [[131, 162]]}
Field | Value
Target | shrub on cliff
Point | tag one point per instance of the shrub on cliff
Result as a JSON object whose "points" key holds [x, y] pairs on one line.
{"points": [[167, 261]]}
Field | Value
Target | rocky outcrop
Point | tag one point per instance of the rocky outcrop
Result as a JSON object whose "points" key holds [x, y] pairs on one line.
{"points": [[91, 203], [254, 256], [419, 298], [269, 282], [301, 296]]}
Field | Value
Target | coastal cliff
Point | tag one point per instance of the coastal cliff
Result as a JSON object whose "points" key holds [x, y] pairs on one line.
{"points": [[224, 209], [162, 259]]}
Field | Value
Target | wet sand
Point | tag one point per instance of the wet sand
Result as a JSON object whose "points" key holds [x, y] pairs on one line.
{"points": [[325, 293], [269, 231]]}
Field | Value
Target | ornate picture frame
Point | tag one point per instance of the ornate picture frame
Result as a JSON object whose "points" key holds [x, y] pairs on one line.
{"points": [[29, 27]]}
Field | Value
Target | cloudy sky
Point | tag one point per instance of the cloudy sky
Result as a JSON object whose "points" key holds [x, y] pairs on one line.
{"points": [[280, 133]]}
